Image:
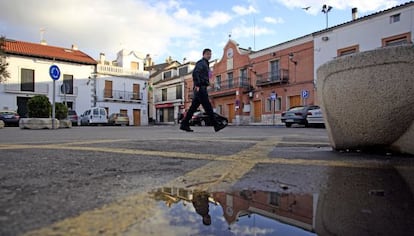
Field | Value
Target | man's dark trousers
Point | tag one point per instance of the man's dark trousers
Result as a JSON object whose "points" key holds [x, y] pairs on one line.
{"points": [[200, 97]]}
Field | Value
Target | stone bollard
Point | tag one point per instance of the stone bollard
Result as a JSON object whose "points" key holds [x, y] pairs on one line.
{"points": [[367, 99], [1, 124], [38, 123]]}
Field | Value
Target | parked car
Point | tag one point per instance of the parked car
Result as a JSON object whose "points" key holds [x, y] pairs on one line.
{"points": [[73, 117], [297, 115], [315, 117], [94, 116], [118, 119], [200, 118], [10, 118]]}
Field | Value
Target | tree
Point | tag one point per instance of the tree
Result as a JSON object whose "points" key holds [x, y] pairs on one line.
{"points": [[39, 107], [61, 111], [4, 74]]}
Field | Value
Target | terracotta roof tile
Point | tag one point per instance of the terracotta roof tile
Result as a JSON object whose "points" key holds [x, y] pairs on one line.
{"points": [[48, 52]]}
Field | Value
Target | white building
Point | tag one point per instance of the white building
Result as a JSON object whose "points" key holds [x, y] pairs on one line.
{"points": [[121, 86], [29, 65], [168, 92], [393, 26]]}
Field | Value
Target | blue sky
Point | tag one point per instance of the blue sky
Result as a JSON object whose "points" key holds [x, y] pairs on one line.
{"points": [[176, 28]]}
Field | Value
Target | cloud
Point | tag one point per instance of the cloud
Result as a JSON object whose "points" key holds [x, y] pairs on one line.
{"points": [[214, 19], [240, 10], [272, 20], [316, 5], [244, 31]]}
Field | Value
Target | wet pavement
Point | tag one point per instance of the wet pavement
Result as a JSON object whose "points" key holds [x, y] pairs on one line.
{"points": [[159, 181]]}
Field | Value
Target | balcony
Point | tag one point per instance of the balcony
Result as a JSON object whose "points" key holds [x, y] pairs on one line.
{"points": [[69, 93], [123, 96], [119, 71], [39, 88], [281, 77], [226, 85]]}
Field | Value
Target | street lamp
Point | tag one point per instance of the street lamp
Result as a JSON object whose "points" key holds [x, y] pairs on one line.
{"points": [[325, 10]]}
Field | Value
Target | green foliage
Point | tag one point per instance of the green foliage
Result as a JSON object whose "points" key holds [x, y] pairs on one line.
{"points": [[4, 74], [39, 107], [61, 111]]}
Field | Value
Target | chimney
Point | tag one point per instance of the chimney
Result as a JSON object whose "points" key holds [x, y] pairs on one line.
{"points": [[354, 13], [43, 42], [148, 61], [75, 47], [102, 58]]}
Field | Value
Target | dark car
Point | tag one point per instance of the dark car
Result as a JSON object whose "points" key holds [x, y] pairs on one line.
{"points": [[297, 115], [73, 117], [200, 118], [10, 118]]}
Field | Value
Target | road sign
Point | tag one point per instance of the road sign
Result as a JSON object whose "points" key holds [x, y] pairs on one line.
{"points": [[305, 93], [273, 96], [54, 72]]}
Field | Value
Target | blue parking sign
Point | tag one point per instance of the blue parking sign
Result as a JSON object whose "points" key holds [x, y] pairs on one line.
{"points": [[305, 93]]}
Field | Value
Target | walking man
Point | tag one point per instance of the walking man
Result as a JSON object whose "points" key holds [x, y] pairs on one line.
{"points": [[201, 76]]}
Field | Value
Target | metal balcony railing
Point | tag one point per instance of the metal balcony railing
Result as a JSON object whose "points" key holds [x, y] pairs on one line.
{"points": [[116, 70], [281, 76], [39, 88], [69, 92], [122, 95], [223, 85]]}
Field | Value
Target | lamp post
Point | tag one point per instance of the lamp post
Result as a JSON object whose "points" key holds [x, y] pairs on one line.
{"points": [[325, 10]]}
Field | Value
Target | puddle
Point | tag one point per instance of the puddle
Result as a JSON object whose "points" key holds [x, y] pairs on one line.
{"points": [[194, 212]]}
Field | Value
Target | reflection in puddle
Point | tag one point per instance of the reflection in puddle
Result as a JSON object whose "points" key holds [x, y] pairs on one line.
{"points": [[236, 213]]}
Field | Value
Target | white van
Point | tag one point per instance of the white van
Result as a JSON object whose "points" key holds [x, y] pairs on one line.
{"points": [[94, 116]]}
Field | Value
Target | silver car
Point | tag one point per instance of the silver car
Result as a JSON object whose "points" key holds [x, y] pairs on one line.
{"points": [[315, 117], [297, 115]]}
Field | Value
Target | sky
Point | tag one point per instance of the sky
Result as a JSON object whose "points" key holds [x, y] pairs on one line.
{"points": [[177, 28]]}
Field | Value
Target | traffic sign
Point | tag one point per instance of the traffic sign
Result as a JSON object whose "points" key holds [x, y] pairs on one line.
{"points": [[305, 93], [273, 96], [54, 72]]}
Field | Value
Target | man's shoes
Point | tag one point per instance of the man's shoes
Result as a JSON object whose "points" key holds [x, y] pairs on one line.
{"points": [[186, 128], [219, 127]]}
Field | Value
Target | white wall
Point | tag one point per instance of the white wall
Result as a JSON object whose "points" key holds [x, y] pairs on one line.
{"points": [[366, 33], [41, 67]]}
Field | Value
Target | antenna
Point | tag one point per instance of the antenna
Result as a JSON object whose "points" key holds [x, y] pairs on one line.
{"points": [[254, 33]]}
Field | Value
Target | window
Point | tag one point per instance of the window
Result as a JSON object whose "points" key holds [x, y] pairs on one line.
{"points": [[268, 105], [164, 95], [274, 70], [27, 80], [274, 198], [400, 39], [243, 76], [230, 79], [68, 84], [278, 104], [183, 71], [348, 50], [395, 18], [217, 84], [167, 74], [179, 92]]}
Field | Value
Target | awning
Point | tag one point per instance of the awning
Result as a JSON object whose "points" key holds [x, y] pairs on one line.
{"points": [[164, 105]]}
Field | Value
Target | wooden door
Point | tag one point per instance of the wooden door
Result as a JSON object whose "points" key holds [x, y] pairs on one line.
{"points": [[108, 89], [294, 101], [135, 92], [231, 112], [137, 117], [257, 106]]}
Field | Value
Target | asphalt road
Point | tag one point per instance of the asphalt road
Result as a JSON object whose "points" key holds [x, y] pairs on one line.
{"points": [[143, 181]]}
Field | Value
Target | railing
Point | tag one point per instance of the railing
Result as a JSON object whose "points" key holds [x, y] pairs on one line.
{"points": [[74, 92], [282, 76], [116, 70], [223, 85], [39, 88], [122, 95]]}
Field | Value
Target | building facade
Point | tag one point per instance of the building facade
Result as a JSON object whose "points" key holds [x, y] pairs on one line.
{"points": [[121, 86], [29, 65]]}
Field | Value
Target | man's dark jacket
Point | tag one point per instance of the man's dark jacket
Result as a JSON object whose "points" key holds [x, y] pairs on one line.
{"points": [[200, 73]]}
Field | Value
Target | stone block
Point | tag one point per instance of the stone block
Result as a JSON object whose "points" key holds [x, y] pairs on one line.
{"points": [[367, 99], [65, 124], [1, 124], [38, 123]]}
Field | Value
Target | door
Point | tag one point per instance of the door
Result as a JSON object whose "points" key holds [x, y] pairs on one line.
{"points": [[294, 101], [22, 107], [231, 112], [135, 92], [257, 108], [137, 117], [108, 89]]}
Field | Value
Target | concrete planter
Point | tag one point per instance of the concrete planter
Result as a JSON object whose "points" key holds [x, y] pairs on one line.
{"points": [[65, 124], [38, 123], [1, 124], [367, 99]]}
